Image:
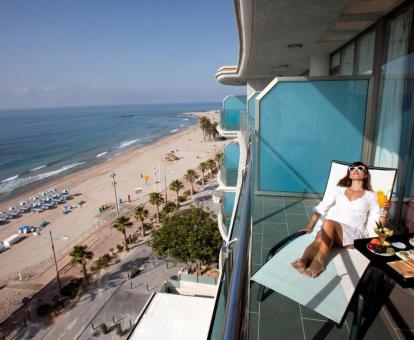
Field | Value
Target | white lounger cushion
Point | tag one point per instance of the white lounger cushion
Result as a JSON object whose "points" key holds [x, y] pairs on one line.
{"points": [[328, 294]]}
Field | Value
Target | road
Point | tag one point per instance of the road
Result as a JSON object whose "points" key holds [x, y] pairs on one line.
{"points": [[111, 297]]}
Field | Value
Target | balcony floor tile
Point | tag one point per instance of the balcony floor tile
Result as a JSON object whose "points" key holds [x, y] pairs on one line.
{"points": [[278, 317]]}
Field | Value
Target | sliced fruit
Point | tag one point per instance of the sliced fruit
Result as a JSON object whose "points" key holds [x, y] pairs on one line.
{"points": [[375, 241], [390, 251]]}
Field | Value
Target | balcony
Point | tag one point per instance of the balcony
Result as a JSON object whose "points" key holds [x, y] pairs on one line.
{"points": [[230, 121], [229, 167], [297, 138], [231, 115]]}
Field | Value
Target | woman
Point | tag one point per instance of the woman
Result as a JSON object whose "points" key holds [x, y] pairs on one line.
{"points": [[354, 200]]}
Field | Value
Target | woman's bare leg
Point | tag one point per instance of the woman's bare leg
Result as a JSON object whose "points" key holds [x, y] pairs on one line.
{"points": [[331, 233], [307, 257]]}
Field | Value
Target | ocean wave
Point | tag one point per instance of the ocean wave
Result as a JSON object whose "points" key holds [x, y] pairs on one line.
{"points": [[17, 182], [128, 143], [101, 154], [185, 119], [10, 179], [174, 130], [38, 168]]}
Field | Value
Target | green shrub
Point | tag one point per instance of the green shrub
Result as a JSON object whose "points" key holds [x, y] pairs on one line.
{"points": [[119, 330], [44, 309], [71, 289], [169, 207], [134, 237], [103, 327], [134, 271], [120, 247]]}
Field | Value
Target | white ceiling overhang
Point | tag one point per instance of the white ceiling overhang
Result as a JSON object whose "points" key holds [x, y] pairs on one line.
{"points": [[278, 37]]}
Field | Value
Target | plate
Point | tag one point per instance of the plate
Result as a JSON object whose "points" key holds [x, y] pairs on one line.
{"points": [[398, 245], [406, 253], [382, 254]]}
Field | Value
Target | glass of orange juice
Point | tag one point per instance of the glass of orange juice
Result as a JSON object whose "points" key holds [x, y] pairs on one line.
{"points": [[382, 199]]}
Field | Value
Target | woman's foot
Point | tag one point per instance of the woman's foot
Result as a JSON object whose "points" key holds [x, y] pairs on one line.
{"points": [[300, 265], [316, 267]]}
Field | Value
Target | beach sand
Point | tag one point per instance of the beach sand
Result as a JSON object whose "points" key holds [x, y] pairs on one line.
{"points": [[94, 185]]}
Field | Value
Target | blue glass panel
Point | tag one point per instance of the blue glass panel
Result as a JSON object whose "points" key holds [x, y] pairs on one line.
{"points": [[228, 202], [234, 103], [231, 120], [227, 208], [231, 156], [251, 109], [230, 116], [303, 127]]}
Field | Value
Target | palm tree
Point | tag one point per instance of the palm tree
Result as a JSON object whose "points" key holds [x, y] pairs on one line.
{"points": [[203, 167], [79, 255], [214, 130], [218, 157], [141, 214], [121, 224], [155, 198], [191, 176], [204, 121], [211, 165], [176, 186]]}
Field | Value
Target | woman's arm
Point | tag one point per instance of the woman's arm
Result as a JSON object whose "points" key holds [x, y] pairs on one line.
{"points": [[321, 209], [314, 218], [384, 216]]}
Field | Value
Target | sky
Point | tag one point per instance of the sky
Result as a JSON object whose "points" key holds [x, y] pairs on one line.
{"points": [[101, 52]]}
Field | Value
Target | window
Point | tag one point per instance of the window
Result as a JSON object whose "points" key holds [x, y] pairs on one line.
{"points": [[347, 60], [396, 94], [365, 53]]}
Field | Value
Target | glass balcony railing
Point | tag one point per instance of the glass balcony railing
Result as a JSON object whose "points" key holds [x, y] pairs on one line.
{"points": [[236, 255], [230, 164], [227, 208], [217, 324], [230, 119]]}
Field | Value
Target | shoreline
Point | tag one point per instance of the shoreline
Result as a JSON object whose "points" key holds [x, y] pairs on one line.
{"points": [[94, 185], [32, 189]]}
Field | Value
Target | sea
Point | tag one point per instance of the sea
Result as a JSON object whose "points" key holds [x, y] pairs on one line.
{"points": [[37, 145]]}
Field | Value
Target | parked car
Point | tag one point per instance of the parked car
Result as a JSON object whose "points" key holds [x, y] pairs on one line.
{"points": [[12, 240], [43, 224], [25, 229]]}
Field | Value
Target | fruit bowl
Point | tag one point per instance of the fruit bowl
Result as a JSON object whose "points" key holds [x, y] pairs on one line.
{"points": [[379, 247]]}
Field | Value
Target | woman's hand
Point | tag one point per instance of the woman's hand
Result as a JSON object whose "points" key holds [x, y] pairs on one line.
{"points": [[387, 206], [308, 229]]}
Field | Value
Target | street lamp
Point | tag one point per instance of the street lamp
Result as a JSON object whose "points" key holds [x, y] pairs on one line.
{"points": [[65, 237], [116, 197]]}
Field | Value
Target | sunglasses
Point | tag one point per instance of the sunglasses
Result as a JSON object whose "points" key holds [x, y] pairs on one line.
{"points": [[360, 168]]}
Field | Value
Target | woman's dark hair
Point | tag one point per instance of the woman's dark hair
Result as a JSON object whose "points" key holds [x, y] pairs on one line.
{"points": [[346, 181]]}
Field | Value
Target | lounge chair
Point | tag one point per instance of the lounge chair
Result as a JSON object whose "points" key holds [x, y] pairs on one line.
{"points": [[331, 292]]}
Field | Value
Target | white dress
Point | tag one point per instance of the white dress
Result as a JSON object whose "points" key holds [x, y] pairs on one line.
{"points": [[352, 215]]}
